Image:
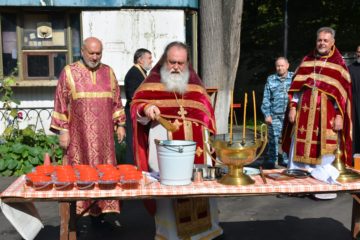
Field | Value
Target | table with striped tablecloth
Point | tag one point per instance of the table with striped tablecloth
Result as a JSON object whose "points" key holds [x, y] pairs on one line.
{"points": [[18, 191], [146, 189]]}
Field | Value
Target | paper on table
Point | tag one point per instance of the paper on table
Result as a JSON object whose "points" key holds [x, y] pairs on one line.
{"points": [[326, 173], [24, 217]]}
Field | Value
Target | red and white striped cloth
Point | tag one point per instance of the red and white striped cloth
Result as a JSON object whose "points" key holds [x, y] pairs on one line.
{"points": [[156, 190]]}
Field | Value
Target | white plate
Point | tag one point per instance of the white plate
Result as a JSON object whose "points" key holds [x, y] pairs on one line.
{"points": [[251, 171]]}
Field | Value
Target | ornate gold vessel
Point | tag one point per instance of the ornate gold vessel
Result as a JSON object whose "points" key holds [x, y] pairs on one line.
{"points": [[346, 175], [236, 152]]}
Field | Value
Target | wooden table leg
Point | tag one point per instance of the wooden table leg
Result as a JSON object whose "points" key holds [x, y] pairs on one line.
{"points": [[355, 220], [67, 211]]}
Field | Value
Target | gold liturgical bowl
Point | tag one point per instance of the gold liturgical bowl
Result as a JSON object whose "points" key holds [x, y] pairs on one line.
{"points": [[237, 152]]}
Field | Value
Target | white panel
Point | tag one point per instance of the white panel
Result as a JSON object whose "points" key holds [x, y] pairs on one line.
{"points": [[122, 32]]}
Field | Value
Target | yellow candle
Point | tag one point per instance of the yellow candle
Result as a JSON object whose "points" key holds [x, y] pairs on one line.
{"points": [[244, 121], [231, 114], [254, 103]]}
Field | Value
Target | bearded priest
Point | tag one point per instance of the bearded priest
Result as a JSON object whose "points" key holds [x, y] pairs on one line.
{"points": [[175, 92]]}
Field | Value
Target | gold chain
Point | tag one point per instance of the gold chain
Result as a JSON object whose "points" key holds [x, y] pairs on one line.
{"points": [[314, 85]]}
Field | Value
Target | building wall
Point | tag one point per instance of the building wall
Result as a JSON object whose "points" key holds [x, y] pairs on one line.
{"points": [[102, 3], [122, 32], [128, 30]]}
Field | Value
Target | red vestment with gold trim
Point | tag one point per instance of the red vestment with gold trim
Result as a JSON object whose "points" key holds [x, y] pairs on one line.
{"points": [[198, 117], [324, 87], [87, 104], [193, 114]]}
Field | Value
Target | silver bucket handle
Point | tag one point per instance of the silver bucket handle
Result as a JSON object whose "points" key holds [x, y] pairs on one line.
{"points": [[179, 149]]}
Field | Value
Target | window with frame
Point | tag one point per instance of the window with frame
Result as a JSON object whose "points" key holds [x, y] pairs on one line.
{"points": [[9, 56], [42, 43]]}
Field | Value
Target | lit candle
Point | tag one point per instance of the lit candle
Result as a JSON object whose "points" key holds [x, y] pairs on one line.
{"points": [[254, 103], [231, 114], [244, 123]]}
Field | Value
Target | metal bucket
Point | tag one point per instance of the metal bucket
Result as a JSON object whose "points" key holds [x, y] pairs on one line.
{"points": [[176, 161]]}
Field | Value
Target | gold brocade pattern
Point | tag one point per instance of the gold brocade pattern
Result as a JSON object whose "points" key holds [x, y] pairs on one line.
{"points": [[335, 83], [316, 136], [93, 76], [302, 129], [92, 100], [199, 151], [141, 70], [188, 130], [161, 87], [118, 113], [329, 65], [305, 108], [310, 122], [323, 122], [59, 116], [173, 103], [322, 78], [57, 128], [93, 95], [192, 216], [77, 95]]}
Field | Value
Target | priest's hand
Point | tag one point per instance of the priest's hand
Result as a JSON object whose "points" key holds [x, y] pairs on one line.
{"points": [[120, 133], [64, 139], [292, 115], [152, 112], [338, 123], [268, 120]]}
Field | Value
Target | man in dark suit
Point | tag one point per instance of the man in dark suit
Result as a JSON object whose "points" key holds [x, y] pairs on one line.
{"points": [[354, 70], [133, 78]]}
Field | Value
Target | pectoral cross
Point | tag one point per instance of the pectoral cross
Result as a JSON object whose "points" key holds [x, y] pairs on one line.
{"points": [[182, 112]]}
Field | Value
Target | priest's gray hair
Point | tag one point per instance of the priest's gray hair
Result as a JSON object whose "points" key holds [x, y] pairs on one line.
{"points": [[171, 45], [139, 53], [327, 30]]}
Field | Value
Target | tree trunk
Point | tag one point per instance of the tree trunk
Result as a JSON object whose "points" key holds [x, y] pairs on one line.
{"points": [[220, 26]]}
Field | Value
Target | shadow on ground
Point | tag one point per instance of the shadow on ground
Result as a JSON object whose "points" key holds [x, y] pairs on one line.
{"points": [[136, 223], [291, 228]]}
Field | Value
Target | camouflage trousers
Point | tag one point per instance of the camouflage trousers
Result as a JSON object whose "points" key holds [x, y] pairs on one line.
{"points": [[274, 135]]}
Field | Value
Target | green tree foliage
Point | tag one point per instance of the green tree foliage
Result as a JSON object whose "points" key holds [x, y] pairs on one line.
{"points": [[263, 31], [22, 149], [262, 36]]}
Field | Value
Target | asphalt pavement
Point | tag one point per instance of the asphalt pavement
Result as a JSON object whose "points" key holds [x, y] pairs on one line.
{"points": [[251, 218]]}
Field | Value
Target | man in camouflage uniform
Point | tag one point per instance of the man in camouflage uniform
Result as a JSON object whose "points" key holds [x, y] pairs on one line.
{"points": [[273, 107]]}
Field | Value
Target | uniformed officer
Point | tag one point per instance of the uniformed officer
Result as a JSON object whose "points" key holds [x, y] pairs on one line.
{"points": [[273, 107]]}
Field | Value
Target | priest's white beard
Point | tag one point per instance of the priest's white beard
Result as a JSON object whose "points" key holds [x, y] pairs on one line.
{"points": [[175, 81], [90, 64]]}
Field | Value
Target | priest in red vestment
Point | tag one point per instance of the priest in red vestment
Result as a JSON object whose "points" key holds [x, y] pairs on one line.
{"points": [[320, 106], [175, 92], [87, 110]]}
